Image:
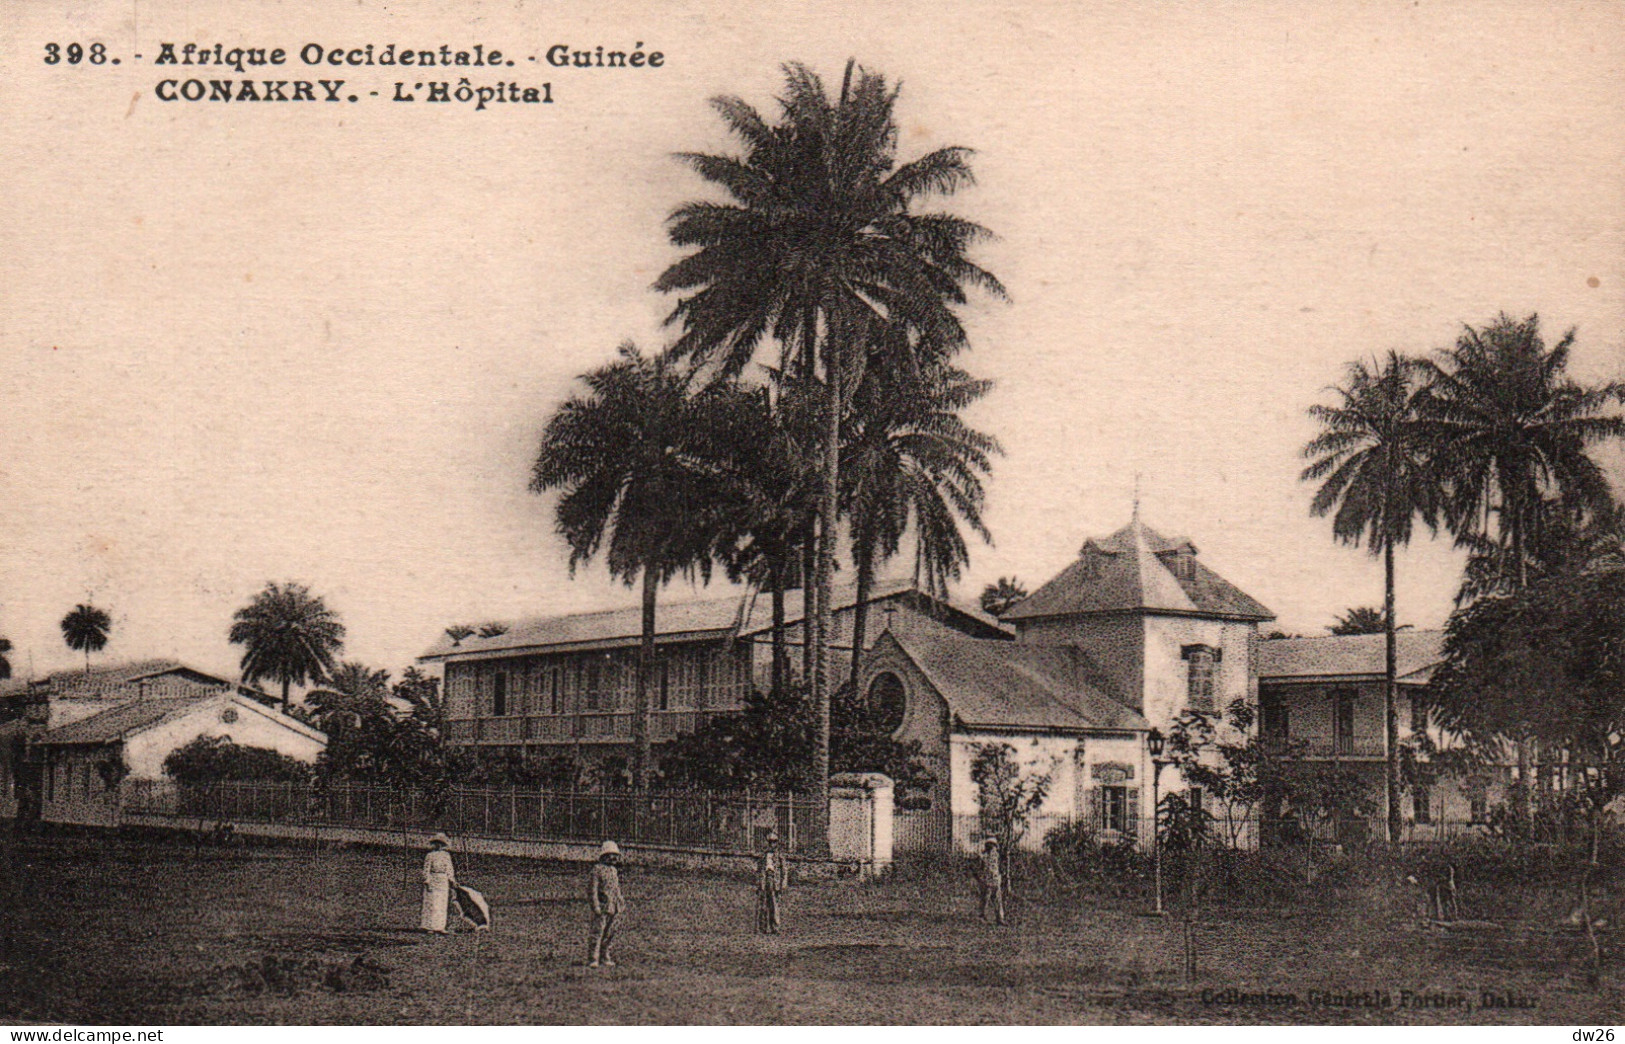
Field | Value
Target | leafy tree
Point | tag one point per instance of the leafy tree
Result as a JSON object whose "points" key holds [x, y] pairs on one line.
{"points": [[5, 658], [999, 598], [819, 247], [1548, 664], [1009, 794], [912, 462], [861, 741], [763, 746], [639, 460], [288, 635], [1230, 761], [85, 630], [767, 745], [216, 759], [1372, 460]]}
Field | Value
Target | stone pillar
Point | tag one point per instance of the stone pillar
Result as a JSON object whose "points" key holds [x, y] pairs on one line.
{"points": [[860, 820]]}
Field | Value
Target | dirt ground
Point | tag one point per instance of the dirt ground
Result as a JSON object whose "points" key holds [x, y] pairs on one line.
{"points": [[100, 931]]}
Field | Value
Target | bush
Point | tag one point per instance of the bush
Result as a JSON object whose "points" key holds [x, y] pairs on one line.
{"points": [[215, 759]]}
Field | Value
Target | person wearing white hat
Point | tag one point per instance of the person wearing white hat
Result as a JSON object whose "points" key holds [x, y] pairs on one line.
{"points": [[604, 891], [438, 879], [772, 878]]}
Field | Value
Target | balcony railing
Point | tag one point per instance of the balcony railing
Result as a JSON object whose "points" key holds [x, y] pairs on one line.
{"points": [[590, 727], [1325, 746]]}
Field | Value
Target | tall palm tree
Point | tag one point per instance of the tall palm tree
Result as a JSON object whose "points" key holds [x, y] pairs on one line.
{"points": [[636, 459], [1511, 429], [1371, 458], [288, 635], [85, 630], [911, 462], [819, 244]]}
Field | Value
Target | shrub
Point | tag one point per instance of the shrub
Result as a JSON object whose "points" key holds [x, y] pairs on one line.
{"points": [[215, 759]]}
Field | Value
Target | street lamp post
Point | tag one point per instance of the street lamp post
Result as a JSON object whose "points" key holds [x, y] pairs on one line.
{"points": [[1154, 744]]}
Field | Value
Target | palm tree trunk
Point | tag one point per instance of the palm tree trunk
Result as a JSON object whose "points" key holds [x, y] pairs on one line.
{"points": [[828, 509], [285, 681], [1390, 698], [781, 646], [1526, 792], [809, 600], [864, 560], [646, 667]]}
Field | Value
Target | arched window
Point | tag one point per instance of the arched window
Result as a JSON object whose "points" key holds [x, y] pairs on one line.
{"points": [[887, 701]]}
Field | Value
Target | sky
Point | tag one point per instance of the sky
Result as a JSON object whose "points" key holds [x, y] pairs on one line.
{"points": [[319, 342]]}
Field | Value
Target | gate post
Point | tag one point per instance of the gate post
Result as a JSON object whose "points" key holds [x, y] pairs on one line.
{"points": [[860, 820]]}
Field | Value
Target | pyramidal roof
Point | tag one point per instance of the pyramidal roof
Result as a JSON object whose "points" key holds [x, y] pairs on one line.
{"points": [[1137, 569]]}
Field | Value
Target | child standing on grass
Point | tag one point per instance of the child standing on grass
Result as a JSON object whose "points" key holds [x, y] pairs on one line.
{"points": [[604, 892], [438, 878], [772, 878]]}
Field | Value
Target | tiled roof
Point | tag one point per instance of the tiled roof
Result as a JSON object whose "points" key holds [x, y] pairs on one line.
{"points": [[1134, 570], [745, 615], [116, 681], [998, 684], [1356, 655], [115, 723]]}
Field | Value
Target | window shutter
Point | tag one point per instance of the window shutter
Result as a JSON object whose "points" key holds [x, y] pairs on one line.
{"points": [[1131, 814], [1096, 811]]}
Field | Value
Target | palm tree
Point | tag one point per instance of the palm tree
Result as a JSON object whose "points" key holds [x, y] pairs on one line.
{"points": [[85, 630], [911, 462], [999, 598], [350, 693], [1372, 455], [636, 459], [776, 492], [289, 635], [820, 244], [457, 632], [1362, 619], [1511, 431]]}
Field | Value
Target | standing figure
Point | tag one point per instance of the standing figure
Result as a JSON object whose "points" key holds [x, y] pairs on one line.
{"points": [[772, 878], [990, 875], [604, 890], [438, 879]]}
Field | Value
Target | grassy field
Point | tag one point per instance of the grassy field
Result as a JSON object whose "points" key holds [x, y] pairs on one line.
{"points": [[139, 933]]}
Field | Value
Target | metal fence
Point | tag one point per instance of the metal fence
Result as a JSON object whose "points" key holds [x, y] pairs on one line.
{"points": [[965, 832], [717, 821]]}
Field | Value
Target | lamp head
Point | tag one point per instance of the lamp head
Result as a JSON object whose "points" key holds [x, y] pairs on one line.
{"points": [[1154, 742]]}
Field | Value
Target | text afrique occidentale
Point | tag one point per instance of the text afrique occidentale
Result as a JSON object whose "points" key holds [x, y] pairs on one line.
{"points": [[559, 56]]}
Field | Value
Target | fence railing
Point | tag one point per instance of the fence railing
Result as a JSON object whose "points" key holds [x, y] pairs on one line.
{"points": [[583, 726], [965, 832], [719, 821]]}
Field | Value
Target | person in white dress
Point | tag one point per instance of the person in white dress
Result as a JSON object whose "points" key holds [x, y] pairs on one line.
{"points": [[438, 878]]}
